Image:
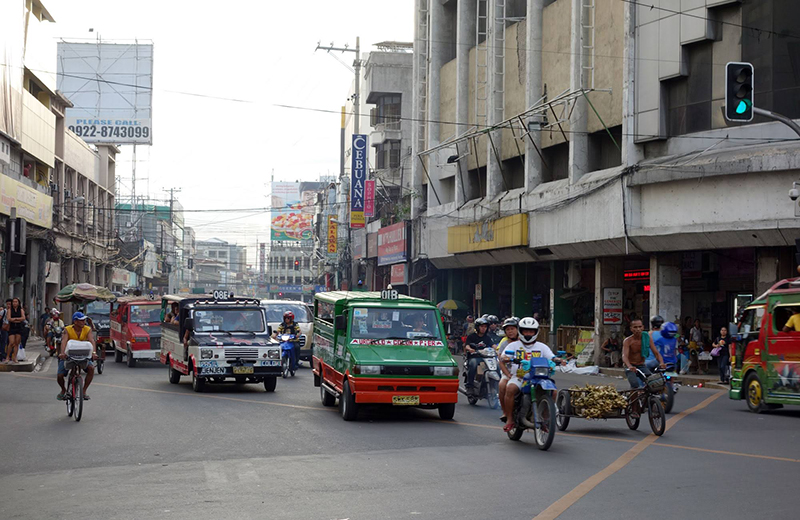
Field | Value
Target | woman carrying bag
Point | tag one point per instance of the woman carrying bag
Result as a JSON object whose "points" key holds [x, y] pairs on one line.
{"points": [[722, 351]]}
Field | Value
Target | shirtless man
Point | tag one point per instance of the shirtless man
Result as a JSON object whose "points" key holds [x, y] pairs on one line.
{"points": [[632, 356]]}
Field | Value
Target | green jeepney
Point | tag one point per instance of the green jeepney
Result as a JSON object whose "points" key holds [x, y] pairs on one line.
{"points": [[382, 348]]}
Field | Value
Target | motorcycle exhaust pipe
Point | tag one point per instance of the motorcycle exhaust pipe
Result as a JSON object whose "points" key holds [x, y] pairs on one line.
{"points": [[523, 414]]}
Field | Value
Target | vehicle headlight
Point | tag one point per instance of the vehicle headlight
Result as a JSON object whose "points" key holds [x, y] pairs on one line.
{"points": [[443, 371], [541, 371], [274, 354], [206, 353], [372, 370], [140, 340]]}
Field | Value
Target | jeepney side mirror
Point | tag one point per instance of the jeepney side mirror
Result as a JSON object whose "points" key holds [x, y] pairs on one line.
{"points": [[340, 322], [188, 324], [269, 330]]}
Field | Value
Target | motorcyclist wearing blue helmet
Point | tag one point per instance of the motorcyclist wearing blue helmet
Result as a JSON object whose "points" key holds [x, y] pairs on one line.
{"points": [[664, 336]]}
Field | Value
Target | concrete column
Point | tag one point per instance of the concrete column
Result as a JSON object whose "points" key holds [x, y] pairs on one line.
{"points": [[560, 309], [494, 109], [438, 49], [665, 286], [631, 153], [578, 121], [465, 38], [608, 275], [419, 74], [533, 92], [772, 265]]}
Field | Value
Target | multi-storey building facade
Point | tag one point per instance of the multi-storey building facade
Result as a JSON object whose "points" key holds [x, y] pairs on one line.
{"points": [[567, 147]]}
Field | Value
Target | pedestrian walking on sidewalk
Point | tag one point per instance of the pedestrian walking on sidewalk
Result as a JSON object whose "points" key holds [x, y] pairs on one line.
{"points": [[16, 318], [26, 328], [724, 343], [4, 331]]}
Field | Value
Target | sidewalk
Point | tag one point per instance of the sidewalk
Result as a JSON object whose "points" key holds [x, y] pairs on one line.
{"points": [[708, 381], [34, 350]]}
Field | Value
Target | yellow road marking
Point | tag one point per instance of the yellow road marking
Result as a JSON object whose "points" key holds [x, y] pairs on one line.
{"points": [[723, 452], [568, 500]]}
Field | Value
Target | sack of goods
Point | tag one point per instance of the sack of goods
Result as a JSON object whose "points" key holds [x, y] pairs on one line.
{"points": [[596, 401]]}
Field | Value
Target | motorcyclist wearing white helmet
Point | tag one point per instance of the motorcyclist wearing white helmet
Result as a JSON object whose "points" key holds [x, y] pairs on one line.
{"points": [[523, 349]]}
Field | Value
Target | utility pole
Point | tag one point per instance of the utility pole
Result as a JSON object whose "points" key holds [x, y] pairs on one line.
{"points": [[171, 230], [344, 186]]}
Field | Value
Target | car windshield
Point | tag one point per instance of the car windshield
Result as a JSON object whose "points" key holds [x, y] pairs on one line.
{"points": [[275, 312], [380, 323], [229, 320], [145, 313], [98, 308]]}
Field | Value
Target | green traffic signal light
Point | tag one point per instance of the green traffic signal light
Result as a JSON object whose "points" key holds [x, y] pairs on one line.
{"points": [[741, 108]]}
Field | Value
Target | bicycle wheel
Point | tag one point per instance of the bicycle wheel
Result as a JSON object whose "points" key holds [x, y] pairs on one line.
{"points": [[70, 400], [656, 415], [78, 398]]}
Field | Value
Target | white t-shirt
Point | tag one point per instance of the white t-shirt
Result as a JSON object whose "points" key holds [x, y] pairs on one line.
{"points": [[517, 351]]}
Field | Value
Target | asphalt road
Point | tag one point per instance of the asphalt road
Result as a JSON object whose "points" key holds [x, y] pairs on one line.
{"points": [[149, 449]]}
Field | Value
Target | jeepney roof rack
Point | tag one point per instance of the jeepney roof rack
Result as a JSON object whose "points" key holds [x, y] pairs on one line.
{"points": [[233, 301]]}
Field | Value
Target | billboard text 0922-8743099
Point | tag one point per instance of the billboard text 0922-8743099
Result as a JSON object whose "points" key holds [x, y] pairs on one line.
{"points": [[292, 212], [110, 86]]}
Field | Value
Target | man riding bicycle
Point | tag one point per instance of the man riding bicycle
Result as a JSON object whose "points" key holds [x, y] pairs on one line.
{"points": [[635, 351], [289, 326], [78, 331]]}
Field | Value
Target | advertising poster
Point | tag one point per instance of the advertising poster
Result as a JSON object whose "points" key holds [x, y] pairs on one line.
{"points": [[612, 306], [292, 213], [392, 244]]}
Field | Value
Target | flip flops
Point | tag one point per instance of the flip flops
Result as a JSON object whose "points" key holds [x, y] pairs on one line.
{"points": [[60, 397], [508, 427]]}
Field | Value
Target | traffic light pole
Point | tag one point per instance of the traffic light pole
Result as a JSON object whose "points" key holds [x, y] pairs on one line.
{"points": [[778, 117]]}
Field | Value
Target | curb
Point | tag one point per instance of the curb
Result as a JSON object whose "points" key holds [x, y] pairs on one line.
{"points": [[26, 366]]}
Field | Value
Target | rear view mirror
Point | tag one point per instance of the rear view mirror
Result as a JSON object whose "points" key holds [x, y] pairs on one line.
{"points": [[340, 323], [188, 323]]}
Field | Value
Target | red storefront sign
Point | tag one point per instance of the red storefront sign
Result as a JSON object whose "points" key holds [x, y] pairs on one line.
{"points": [[398, 274], [369, 199]]}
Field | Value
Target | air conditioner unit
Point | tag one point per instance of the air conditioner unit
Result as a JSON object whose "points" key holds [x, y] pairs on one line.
{"points": [[573, 274]]}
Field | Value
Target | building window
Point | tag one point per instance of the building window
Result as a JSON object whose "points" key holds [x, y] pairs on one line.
{"points": [[386, 112], [690, 96], [387, 155]]}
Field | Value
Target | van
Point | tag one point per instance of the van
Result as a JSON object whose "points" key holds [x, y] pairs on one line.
{"points": [[766, 362], [302, 316], [382, 348]]}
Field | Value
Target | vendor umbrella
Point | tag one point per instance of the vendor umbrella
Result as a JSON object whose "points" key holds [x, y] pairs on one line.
{"points": [[452, 305], [83, 293]]}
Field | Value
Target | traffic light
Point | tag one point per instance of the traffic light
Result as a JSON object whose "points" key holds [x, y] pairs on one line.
{"points": [[297, 265], [739, 92]]}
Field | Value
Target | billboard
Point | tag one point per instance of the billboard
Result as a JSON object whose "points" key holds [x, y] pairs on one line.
{"points": [[392, 244], [111, 88], [292, 212], [333, 237], [358, 171]]}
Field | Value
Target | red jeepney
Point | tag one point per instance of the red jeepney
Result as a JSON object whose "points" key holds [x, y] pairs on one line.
{"points": [[136, 329]]}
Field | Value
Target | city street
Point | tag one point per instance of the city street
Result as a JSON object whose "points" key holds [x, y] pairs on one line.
{"points": [[149, 449]]}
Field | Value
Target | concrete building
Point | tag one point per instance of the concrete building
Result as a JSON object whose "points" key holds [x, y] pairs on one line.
{"points": [[51, 178], [565, 148]]}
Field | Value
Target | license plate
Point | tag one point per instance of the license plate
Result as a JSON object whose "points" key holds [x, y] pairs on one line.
{"points": [[213, 370], [242, 370], [405, 400]]}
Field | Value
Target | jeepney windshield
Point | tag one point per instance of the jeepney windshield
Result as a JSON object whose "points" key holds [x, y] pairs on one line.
{"points": [[146, 313], [229, 320], [381, 323]]}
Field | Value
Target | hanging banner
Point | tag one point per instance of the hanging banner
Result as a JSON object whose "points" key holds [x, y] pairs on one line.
{"points": [[369, 199], [392, 244], [358, 169], [333, 231]]}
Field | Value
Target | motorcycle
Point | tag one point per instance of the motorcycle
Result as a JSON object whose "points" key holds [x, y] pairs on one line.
{"points": [[487, 379], [537, 388], [52, 347], [287, 355]]}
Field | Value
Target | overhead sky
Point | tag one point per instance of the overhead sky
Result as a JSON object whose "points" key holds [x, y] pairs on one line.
{"points": [[221, 152]]}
